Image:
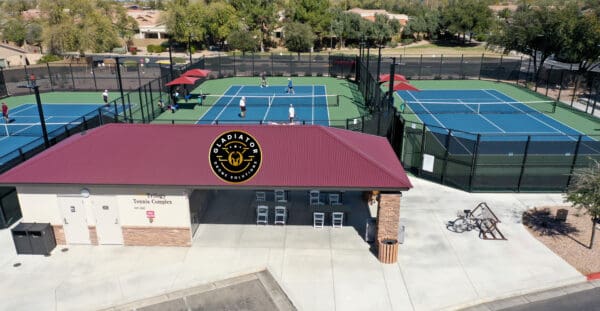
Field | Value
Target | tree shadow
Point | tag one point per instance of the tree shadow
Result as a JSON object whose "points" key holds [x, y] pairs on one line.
{"points": [[544, 223]]}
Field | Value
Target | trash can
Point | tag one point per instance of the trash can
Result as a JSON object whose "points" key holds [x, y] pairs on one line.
{"points": [[370, 229], [21, 238], [34, 238], [42, 238], [388, 251]]}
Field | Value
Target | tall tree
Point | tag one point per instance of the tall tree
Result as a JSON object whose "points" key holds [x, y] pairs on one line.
{"points": [[583, 46], [298, 37], [584, 193], [536, 31], [221, 20], [259, 15], [243, 40], [467, 16], [315, 13]]}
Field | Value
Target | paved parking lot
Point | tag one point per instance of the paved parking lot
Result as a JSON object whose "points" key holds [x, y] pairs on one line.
{"points": [[319, 269]]}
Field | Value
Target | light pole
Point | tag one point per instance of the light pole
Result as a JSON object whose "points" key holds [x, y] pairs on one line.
{"points": [[190, 48]]}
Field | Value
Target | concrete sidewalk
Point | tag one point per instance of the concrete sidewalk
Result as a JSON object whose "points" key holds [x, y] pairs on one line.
{"points": [[319, 269]]}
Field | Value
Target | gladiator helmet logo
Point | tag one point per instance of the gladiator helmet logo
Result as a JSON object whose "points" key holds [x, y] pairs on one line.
{"points": [[235, 156]]}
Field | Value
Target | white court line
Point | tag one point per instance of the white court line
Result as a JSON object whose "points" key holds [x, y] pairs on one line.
{"points": [[19, 111], [209, 109], [432, 115], [228, 103], [482, 116], [442, 124], [327, 104], [269, 108], [533, 117]]}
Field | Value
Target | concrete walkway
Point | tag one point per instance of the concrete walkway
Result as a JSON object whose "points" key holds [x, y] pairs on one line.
{"points": [[319, 269]]}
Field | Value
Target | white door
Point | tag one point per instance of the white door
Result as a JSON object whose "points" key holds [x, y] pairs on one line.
{"points": [[74, 220], [108, 227]]}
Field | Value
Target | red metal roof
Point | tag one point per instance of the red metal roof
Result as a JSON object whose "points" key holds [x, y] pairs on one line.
{"points": [[147, 154]]}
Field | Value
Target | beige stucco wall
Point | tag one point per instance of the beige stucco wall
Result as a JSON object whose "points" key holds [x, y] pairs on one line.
{"points": [[39, 203]]}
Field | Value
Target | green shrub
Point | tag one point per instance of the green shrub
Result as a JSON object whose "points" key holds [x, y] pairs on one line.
{"points": [[407, 41], [119, 50], [48, 58], [130, 63]]}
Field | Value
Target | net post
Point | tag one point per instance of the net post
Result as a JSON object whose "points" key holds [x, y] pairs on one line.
{"points": [[172, 121], [480, 69]]}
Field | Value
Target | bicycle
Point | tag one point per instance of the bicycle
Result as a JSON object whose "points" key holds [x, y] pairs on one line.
{"points": [[466, 221]]}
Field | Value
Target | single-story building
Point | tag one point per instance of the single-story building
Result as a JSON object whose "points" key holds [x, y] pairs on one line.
{"points": [[142, 184]]}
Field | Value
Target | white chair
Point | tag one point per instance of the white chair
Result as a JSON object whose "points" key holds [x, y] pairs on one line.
{"points": [[334, 199], [261, 196], [315, 197], [337, 219], [262, 214], [280, 196], [280, 215], [318, 219]]}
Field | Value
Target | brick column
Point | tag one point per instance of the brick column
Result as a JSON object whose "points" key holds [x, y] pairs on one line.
{"points": [[388, 222]]}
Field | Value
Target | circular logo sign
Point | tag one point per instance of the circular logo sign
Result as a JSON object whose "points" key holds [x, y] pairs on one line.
{"points": [[235, 156]]}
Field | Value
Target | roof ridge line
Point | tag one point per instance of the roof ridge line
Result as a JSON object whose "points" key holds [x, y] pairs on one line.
{"points": [[361, 153]]}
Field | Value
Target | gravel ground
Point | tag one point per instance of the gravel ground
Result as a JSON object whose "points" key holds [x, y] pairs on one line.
{"points": [[570, 239]]}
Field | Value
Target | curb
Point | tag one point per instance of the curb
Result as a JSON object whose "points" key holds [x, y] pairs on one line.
{"points": [[593, 276]]}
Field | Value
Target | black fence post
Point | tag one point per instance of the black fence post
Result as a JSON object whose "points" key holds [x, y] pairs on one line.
{"points": [[574, 162], [50, 77], [575, 89], [220, 65], [94, 77], [519, 72], [527, 73], [420, 66], [446, 155], [253, 72], [422, 151], [378, 63], [525, 155], [272, 65], [310, 63], [462, 70], [474, 162], [151, 100], [391, 83], [480, 68], [234, 69], [291, 62], [548, 79], [499, 66], [562, 76], [440, 69], [72, 78], [141, 105]]}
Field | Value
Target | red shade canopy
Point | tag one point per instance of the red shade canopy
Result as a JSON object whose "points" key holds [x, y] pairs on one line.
{"points": [[403, 86], [397, 77], [182, 80], [202, 73]]}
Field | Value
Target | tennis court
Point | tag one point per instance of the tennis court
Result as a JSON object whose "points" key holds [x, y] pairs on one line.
{"points": [[270, 105], [499, 118], [25, 131]]}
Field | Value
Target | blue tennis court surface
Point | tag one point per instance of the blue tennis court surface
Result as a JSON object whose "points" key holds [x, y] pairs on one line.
{"points": [[496, 116], [270, 104], [25, 132]]}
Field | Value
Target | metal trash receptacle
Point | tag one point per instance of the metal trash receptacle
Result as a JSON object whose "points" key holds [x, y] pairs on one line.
{"points": [[370, 229], [21, 238], [42, 238]]}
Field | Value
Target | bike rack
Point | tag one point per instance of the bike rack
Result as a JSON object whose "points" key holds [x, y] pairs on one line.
{"points": [[488, 229]]}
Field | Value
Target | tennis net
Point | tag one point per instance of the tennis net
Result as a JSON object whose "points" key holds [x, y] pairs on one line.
{"points": [[34, 129], [272, 100], [463, 107]]}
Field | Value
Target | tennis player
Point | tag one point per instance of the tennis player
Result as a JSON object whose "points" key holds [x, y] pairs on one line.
{"points": [[5, 112], [243, 107], [290, 87], [263, 80], [105, 97], [292, 113]]}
